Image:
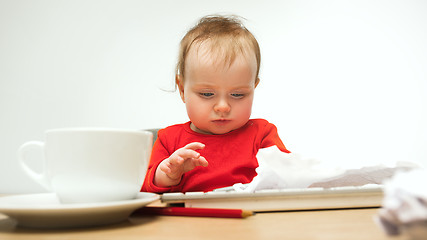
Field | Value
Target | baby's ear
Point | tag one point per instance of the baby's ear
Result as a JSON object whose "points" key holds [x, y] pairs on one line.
{"points": [[180, 84]]}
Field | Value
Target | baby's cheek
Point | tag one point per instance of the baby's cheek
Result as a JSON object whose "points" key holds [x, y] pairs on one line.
{"points": [[197, 112], [245, 109]]}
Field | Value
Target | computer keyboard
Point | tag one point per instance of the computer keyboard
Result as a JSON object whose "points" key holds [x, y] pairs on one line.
{"points": [[283, 199]]}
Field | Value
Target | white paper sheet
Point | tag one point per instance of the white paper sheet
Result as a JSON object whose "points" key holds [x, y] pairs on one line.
{"points": [[278, 170]]}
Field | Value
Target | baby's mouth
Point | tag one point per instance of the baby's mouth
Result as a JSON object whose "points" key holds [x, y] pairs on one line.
{"points": [[221, 121]]}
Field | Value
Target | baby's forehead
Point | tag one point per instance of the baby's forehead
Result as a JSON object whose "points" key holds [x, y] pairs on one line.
{"points": [[219, 55]]}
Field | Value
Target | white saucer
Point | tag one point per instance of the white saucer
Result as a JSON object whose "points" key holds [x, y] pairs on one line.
{"points": [[45, 211]]}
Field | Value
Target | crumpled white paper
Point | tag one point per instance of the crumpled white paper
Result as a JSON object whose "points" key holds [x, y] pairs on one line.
{"points": [[279, 170], [405, 204]]}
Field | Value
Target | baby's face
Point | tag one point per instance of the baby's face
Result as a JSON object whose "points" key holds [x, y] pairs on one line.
{"points": [[218, 97]]}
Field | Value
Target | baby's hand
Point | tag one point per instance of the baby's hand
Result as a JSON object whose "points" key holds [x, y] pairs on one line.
{"points": [[180, 162]]}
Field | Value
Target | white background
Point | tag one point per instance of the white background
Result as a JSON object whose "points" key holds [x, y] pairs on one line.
{"points": [[344, 81]]}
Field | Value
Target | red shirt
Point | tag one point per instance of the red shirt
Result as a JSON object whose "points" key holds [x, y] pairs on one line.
{"points": [[231, 156]]}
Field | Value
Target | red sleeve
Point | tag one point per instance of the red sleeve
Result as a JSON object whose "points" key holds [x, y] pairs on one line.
{"points": [[270, 137]]}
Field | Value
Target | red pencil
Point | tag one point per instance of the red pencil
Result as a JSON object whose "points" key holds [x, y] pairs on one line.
{"points": [[195, 212]]}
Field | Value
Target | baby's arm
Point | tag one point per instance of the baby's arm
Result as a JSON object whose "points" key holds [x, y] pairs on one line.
{"points": [[170, 170]]}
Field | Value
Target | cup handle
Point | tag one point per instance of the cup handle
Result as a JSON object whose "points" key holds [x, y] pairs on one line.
{"points": [[40, 178]]}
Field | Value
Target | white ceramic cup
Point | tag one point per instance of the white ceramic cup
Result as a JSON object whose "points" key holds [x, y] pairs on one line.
{"points": [[83, 165]]}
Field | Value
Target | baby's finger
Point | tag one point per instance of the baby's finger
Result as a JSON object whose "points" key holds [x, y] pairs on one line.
{"points": [[195, 146], [182, 154], [201, 161], [166, 166], [176, 159]]}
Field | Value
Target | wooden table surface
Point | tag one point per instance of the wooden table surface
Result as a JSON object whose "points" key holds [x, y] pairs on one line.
{"points": [[325, 224]]}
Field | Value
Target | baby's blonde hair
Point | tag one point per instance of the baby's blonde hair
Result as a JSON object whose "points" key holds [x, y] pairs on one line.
{"points": [[227, 38]]}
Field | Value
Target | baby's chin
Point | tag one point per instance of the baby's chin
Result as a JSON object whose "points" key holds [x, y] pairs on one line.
{"points": [[210, 131], [216, 131]]}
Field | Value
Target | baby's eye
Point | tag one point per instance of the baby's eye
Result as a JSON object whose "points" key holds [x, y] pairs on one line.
{"points": [[206, 94], [237, 95]]}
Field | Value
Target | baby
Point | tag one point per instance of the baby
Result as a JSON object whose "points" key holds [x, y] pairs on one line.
{"points": [[216, 75]]}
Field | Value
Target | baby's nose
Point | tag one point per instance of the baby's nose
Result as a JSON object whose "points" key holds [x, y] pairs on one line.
{"points": [[222, 106]]}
